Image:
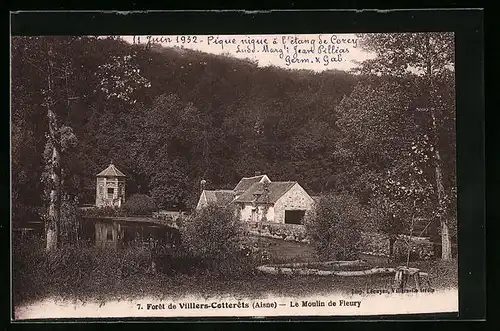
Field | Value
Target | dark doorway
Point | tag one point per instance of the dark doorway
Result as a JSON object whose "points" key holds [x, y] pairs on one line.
{"points": [[294, 216], [109, 234]]}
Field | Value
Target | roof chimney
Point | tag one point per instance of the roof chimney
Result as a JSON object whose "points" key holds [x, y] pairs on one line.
{"points": [[257, 173]]}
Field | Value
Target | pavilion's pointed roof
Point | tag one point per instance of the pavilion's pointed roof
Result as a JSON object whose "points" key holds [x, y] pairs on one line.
{"points": [[111, 171]]}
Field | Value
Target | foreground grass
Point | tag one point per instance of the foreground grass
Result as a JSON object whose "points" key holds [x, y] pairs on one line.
{"points": [[162, 287], [103, 284], [254, 285]]}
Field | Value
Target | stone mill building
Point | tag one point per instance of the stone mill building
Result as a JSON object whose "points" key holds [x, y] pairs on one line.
{"points": [[258, 199], [110, 187]]}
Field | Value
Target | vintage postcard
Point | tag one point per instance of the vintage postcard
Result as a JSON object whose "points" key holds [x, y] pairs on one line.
{"points": [[233, 175]]}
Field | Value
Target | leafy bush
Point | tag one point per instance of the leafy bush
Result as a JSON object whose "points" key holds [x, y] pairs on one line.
{"points": [[211, 238], [139, 204], [333, 227], [212, 232]]}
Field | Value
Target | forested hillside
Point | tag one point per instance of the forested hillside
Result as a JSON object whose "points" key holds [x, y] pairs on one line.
{"points": [[169, 118]]}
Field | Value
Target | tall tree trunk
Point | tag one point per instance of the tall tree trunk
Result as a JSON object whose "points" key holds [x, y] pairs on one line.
{"points": [[445, 233], [54, 213], [392, 240], [52, 226]]}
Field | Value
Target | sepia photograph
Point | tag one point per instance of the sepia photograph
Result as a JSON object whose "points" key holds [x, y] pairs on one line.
{"points": [[253, 175]]}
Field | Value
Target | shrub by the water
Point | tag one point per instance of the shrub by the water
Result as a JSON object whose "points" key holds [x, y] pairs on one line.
{"points": [[212, 237], [333, 227], [139, 204], [212, 232]]}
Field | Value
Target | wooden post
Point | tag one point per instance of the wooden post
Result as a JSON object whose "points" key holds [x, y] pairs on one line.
{"points": [[417, 280], [425, 276], [398, 278], [404, 275]]}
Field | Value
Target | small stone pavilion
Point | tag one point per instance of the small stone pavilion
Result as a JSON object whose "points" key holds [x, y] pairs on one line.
{"points": [[110, 190]]}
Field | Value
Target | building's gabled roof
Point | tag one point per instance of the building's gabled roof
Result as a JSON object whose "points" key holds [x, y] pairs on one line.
{"points": [[257, 193], [246, 182], [111, 171], [220, 198]]}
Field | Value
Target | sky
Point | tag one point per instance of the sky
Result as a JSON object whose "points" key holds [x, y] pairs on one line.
{"points": [[317, 52]]}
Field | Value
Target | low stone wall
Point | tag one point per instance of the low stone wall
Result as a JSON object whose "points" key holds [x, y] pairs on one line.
{"points": [[293, 232], [378, 244], [168, 215]]}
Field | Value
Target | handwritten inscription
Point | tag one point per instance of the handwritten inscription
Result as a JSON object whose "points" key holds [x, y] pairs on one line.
{"points": [[290, 50]]}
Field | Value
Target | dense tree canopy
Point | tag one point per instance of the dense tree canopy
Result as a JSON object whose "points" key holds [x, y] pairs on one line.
{"points": [[170, 117], [421, 181]]}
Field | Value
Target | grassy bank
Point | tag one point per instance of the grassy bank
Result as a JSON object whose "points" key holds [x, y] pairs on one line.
{"points": [[91, 274]]}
